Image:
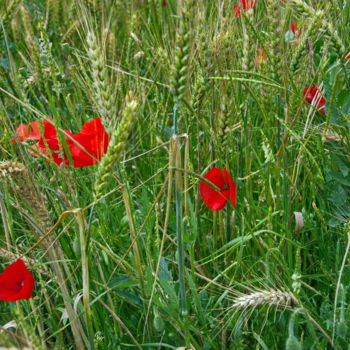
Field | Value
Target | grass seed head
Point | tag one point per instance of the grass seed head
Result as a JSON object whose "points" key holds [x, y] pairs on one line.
{"points": [[101, 84], [116, 145], [271, 297], [24, 188]]}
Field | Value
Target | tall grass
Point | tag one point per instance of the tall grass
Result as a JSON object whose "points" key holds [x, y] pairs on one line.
{"points": [[126, 254]]}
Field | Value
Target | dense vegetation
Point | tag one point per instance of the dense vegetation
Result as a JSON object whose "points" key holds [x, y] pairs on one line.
{"points": [[125, 251]]}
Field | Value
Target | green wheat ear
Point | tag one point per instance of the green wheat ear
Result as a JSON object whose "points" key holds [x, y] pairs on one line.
{"points": [[28, 192], [330, 32], [117, 145], [101, 84], [29, 36], [182, 52], [54, 9], [275, 18], [310, 35]]}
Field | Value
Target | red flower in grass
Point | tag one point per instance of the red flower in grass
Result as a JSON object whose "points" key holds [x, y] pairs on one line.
{"points": [[220, 178], [296, 30], [16, 282], [262, 57], [246, 5], [86, 147], [294, 27], [30, 131], [293, 34], [89, 145], [313, 95], [348, 56]]}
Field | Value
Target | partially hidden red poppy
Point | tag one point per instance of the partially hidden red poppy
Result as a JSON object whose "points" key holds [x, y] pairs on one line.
{"points": [[86, 147], [16, 282], [293, 34], [246, 5], [30, 131], [313, 95], [216, 200], [91, 141], [348, 56], [262, 57], [294, 27], [296, 30]]}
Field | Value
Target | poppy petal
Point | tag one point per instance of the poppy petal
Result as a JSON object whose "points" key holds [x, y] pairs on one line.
{"points": [[246, 6], [232, 187], [220, 178], [16, 282], [294, 27], [90, 144], [25, 132], [313, 95], [237, 11]]}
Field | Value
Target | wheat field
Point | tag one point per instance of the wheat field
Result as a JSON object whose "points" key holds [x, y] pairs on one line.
{"points": [[175, 174]]}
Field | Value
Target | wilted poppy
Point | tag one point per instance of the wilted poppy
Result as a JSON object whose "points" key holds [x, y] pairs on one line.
{"points": [[313, 95], [216, 200], [86, 147], [16, 282], [246, 5]]}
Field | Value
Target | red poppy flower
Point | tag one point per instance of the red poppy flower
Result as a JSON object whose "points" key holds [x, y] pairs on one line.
{"points": [[246, 5], [348, 56], [30, 131], [220, 178], [296, 30], [16, 282], [293, 34], [262, 57], [294, 27], [313, 95], [86, 147], [90, 144]]}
